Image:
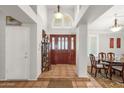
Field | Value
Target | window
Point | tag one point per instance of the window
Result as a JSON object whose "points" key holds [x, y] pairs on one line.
{"points": [[63, 43], [58, 22], [66, 22], [111, 42], [118, 42], [72, 43], [53, 43], [66, 43]]}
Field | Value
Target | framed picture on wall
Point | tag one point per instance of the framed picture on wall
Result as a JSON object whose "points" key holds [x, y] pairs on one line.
{"points": [[118, 42], [111, 43]]}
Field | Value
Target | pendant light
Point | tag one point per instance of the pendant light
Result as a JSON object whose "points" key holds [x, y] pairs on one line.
{"points": [[116, 27], [58, 14]]}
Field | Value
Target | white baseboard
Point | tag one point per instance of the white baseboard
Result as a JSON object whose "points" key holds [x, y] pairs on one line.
{"points": [[2, 79], [17, 80]]}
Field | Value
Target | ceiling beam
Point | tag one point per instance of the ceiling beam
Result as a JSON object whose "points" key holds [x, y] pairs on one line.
{"points": [[80, 15], [92, 13]]}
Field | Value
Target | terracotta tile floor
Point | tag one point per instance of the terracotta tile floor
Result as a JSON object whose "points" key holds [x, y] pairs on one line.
{"points": [[60, 71], [57, 72]]}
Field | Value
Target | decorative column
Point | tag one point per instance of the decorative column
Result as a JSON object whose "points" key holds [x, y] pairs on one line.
{"points": [[2, 45], [81, 51]]}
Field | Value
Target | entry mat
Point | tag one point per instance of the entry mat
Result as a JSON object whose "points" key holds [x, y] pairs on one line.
{"points": [[60, 83]]}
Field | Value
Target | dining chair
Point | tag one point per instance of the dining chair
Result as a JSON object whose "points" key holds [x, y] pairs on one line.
{"points": [[95, 65], [111, 56], [119, 69]]}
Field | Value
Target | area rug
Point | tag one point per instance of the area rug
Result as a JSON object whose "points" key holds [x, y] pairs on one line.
{"points": [[106, 82], [60, 83]]}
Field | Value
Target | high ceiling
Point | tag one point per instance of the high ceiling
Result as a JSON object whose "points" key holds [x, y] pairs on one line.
{"points": [[65, 9], [106, 20]]}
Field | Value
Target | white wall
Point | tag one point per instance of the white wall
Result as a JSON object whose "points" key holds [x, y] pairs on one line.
{"points": [[92, 45], [61, 31], [2, 45], [104, 42]]}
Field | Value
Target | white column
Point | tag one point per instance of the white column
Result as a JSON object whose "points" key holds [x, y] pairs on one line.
{"points": [[77, 9], [81, 51], [33, 52], [2, 45]]}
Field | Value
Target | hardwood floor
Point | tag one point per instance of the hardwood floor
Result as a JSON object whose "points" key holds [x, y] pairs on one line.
{"points": [[57, 72]]}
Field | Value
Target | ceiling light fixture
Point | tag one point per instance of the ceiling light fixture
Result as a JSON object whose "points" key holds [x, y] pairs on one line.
{"points": [[116, 27], [58, 14]]}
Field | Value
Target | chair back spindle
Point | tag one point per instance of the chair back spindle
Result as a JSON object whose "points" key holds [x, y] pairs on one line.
{"points": [[102, 56], [93, 60], [111, 56]]}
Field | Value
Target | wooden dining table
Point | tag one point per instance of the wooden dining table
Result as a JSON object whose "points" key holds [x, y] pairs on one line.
{"points": [[111, 63]]}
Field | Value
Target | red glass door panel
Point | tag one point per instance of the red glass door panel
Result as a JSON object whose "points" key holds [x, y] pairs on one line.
{"points": [[72, 49]]}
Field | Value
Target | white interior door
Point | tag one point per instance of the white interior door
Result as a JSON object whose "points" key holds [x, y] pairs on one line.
{"points": [[17, 53]]}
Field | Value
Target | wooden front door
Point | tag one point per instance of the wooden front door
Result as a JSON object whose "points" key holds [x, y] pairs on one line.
{"points": [[63, 49]]}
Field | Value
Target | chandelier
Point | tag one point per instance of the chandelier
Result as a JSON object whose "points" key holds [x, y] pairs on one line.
{"points": [[116, 27]]}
